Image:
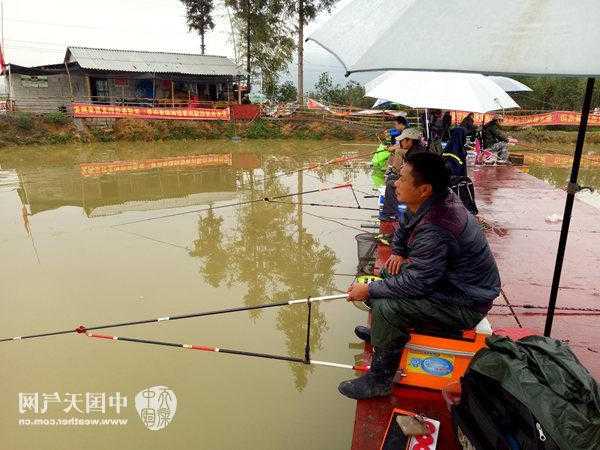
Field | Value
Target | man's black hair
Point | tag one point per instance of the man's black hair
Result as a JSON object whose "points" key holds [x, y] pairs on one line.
{"points": [[429, 168], [402, 120]]}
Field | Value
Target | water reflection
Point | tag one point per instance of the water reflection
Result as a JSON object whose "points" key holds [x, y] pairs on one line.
{"points": [[272, 259], [559, 177], [262, 252]]}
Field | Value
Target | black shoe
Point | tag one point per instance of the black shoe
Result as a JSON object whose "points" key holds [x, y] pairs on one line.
{"points": [[378, 381], [363, 333]]}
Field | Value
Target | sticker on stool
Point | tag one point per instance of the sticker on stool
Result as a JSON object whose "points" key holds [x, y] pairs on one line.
{"points": [[437, 365]]}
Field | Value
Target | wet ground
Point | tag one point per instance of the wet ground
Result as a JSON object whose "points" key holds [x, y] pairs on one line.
{"points": [[69, 258], [118, 232]]}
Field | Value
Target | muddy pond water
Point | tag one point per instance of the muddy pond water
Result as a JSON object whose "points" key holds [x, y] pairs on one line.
{"points": [[69, 256], [129, 231]]}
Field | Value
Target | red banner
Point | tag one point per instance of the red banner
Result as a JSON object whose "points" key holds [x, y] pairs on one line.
{"points": [[97, 169], [136, 112], [549, 118]]}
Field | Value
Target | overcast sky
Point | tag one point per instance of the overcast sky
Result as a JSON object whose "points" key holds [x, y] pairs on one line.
{"points": [[37, 32]]}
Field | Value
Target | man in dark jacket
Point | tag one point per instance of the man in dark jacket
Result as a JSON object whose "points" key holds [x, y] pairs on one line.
{"points": [[495, 139], [443, 274]]}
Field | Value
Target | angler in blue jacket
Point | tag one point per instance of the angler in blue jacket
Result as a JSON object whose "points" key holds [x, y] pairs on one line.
{"points": [[443, 274]]}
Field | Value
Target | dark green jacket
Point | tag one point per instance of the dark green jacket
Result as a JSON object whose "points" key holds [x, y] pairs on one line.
{"points": [[545, 375], [492, 134]]}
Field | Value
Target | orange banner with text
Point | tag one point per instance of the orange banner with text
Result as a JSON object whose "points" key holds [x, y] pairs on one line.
{"points": [[531, 120], [85, 110], [97, 169]]}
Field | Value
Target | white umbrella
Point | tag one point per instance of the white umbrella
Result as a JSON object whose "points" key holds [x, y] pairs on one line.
{"points": [[509, 85], [535, 37], [379, 102], [443, 90]]}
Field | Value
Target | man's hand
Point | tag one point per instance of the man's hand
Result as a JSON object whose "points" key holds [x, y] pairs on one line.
{"points": [[393, 264], [358, 292]]}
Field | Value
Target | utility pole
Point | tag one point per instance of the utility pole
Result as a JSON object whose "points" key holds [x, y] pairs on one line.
{"points": [[301, 52], [248, 42]]}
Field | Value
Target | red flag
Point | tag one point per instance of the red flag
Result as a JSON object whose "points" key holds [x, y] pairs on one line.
{"points": [[2, 64]]}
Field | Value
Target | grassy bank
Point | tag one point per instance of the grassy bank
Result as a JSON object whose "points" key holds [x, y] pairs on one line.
{"points": [[58, 128], [541, 135], [22, 129]]}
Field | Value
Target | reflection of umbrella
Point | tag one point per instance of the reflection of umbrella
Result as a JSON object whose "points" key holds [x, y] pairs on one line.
{"points": [[510, 85], [512, 37], [456, 91]]}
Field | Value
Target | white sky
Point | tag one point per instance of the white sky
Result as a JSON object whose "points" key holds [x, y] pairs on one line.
{"points": [[37, 32]]}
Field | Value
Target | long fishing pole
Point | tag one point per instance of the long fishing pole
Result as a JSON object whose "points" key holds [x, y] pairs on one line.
{"points": [[228, 205], [324, 205], [309, 167], [83, 329], [206, 348]]}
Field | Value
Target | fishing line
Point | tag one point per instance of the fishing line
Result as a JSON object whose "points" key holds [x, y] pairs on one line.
{"points": [[228, 205], [324, 205]]}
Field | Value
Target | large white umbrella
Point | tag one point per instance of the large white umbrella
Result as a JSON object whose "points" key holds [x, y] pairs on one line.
{"points": [[443, 90], [535, 37], [509, 84], [509, 37]]}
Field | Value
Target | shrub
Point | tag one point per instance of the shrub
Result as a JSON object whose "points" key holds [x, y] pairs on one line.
{"points": [[24, 121], [262, 129], [57, 117], [60, 138]]}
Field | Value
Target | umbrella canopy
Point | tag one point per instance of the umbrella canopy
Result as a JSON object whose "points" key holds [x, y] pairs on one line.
{"points": [[379, 102], [510, 85], [444, 90], [529, 37]]}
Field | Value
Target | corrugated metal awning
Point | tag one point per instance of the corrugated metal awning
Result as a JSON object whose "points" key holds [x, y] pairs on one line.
{"points": [[151, 62]]}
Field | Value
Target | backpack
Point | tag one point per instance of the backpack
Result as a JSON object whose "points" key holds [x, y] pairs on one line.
{"points": [[490, 418], [463, 187], [531, 394]]}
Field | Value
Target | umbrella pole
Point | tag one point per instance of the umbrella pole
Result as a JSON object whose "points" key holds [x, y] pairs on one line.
{"points": [[427, 124], [572, 189]]}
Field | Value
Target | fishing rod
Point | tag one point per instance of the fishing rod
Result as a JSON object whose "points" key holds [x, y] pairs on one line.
{"points": [[324, 205], [228, 205], [561, 308], [206, 348], [312, 166], [83, 329]]}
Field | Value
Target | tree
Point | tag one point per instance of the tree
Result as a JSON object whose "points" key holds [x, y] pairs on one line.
{"points": [[558, 93], [199, 18], [265, 40], [352, 93], [286, 92], [306, 11]]}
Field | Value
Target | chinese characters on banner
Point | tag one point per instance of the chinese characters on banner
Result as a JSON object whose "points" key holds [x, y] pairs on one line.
{"points": [[84, 110], [531, 120], [209, 160]]}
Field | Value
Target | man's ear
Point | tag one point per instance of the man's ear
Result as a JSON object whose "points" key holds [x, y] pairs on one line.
{"points": [[426, 190]]}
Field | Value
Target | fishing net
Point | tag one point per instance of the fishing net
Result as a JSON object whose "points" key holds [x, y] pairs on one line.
{"points": [[366, 244]]}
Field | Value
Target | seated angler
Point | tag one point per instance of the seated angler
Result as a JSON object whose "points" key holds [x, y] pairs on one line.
{"points": [[408, 142], [443, 276]]}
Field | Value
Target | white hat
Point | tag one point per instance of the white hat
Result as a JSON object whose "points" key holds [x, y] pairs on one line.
{"points": [[409, 133]]}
